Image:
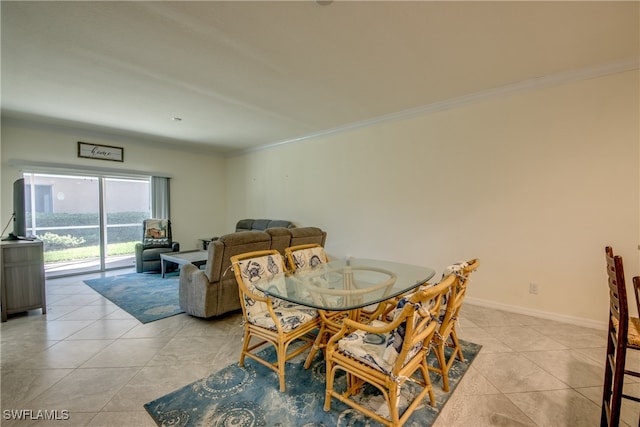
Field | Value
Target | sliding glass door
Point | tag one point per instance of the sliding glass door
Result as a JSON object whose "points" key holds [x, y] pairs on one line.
{"points": [[87, 223], [126, 205]]}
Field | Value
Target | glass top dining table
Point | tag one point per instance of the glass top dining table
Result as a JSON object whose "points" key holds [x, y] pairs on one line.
{"points": [[345, 284]]}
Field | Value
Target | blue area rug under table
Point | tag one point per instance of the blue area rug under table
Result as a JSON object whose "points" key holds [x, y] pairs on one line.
{"points": [[250, 396], [147, 297]]}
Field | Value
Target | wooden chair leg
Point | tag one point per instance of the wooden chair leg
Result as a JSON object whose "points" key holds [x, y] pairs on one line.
{"points": [[425, 374], [444, 367], [245, 346], [318, 343], [282, 352], [394, 391], [456, 343], [329, 379]]}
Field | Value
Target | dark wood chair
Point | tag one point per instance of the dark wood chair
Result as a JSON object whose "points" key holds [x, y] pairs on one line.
{"points": [[636, 291], [623, 334]]}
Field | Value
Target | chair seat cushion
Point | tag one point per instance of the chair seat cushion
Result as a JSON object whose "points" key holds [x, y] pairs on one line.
{"points": [[381, 351], [289, 315], [457, 269], [153, 254], [375, 350], [633, 333], [269, 270]]}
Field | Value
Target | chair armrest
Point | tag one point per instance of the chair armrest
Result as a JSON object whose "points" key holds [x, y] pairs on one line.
{"points": [[381, 328], [349, 326], [138, 250], [175, 247]]}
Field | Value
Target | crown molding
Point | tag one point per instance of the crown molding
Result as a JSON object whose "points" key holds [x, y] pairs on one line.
{"points": [[557, 79]]}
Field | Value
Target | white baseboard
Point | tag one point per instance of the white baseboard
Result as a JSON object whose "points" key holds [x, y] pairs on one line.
{"points": [[539, 313]]}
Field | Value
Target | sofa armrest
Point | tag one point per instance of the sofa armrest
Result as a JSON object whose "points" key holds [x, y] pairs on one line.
{"points": [[193, 291], [214, 260]]}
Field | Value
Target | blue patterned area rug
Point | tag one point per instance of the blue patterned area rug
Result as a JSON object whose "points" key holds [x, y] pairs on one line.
{"points": [[250, 396], [147, 297]]}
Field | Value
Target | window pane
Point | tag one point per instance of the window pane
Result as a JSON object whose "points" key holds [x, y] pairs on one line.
{"points": [[66, 213], [126, 205], [63, 211]]}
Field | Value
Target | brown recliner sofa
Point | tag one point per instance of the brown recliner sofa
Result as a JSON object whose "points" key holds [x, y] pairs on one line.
{"points": [[262, 224], [214, 291], [251, 225]]}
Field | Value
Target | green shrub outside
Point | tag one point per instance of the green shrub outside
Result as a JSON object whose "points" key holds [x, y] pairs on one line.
{"points": [[71, 243], [87, 237], [55, 219], [87, 252], [54, 241]]}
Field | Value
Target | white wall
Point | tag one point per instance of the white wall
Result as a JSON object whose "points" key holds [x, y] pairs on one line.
{"points": [[534, 183], [198, 186]]}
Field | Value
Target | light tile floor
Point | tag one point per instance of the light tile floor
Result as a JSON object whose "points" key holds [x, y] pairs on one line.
{"points": [[90, 358]]}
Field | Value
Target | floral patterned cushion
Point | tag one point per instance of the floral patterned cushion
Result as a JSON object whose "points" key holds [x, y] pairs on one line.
{"points": [[380, 351], [289, 315], [308, 258], [367, 347], [271, 268], [456, 269], [397, 335]]}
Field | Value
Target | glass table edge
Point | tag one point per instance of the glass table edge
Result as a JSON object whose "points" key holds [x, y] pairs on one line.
{"points": [[395, 292]]}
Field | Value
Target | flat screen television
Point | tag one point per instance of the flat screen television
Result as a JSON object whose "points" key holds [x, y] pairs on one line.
{"points": [[19, 214]]}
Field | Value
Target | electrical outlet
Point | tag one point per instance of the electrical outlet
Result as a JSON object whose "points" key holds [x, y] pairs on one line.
{"points": [[533, 288]]}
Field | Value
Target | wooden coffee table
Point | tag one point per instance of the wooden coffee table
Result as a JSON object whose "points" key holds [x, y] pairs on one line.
{"points": [[195, 257]]}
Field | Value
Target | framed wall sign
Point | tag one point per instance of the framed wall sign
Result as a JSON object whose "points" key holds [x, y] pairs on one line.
{"points": [[102, 152]]}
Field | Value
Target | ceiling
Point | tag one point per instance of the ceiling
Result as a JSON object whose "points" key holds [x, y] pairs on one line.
{"points": [[246, 74]]}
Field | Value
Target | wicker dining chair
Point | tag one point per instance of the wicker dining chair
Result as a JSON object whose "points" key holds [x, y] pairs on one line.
{"points": [[387, 355], [269, 320], [446, 335], [307, 257], [623, 334]]}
